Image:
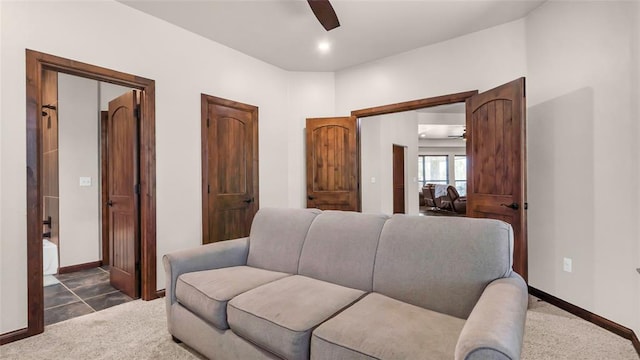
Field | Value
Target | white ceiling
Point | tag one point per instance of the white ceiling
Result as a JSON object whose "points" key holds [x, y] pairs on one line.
{"points": [[285, 33]]}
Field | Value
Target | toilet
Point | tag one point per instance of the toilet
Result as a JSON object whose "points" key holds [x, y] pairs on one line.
{"points": [[49, 257]]}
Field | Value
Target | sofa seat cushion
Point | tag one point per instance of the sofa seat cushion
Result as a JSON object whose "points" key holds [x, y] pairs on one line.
{"points": [[379, 327], [280, 316], [206, 293]]}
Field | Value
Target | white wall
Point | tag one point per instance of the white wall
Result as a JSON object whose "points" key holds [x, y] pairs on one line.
{"points": [[183, 65], [4, 273], [78, 139], [481, 60], [583, 155], [310, 95], [377, 137]]}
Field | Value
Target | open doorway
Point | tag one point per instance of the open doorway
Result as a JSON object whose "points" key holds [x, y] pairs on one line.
{"points": [[432, 138], [37, 65], [79, 274]]}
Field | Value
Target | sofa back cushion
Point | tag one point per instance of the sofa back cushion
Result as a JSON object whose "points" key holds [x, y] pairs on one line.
{"points": [[441, 263], [340, 248], [277, 236]]}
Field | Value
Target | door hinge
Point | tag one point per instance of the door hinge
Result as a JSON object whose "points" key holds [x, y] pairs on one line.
{"points": [[136, 112], [209, 189], [208, 122], [136, 189]]}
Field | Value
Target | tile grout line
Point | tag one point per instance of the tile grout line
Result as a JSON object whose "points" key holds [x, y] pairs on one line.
{"points": [[76, 295]]}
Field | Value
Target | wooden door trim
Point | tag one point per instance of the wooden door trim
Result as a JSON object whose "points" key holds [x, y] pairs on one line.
{"points": [[414, 104], [396, 108], [205, 101], [394, 165], [35, 63], [104, 190]]}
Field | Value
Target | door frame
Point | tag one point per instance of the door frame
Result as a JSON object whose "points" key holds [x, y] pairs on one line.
{"points": [[35, 63], [205, 101], [394, 165], [396, 108]]}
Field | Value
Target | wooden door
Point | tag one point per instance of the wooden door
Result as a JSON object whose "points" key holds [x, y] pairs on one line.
{"points": [[398, 180], [496, 176], [123, 195], [104, 187], [332, 164], [230, 168]]}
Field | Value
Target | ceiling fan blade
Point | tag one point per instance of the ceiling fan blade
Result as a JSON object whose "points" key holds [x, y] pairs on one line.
{"points": [[323, 10]]}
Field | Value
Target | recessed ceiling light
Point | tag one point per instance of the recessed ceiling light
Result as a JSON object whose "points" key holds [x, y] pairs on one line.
{"points": [[324, 47]]}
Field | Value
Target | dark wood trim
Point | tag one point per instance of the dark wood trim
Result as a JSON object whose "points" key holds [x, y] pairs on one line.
{"points": [[587, 315], [79, 267], [104, 187], [636, 343], [14, 336], [414, 104], [160, 293], [204, 158], [35, 63]]}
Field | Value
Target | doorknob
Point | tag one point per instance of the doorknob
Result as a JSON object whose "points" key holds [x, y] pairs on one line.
{"points": [[248, 201], [513, 206], [311, 197], [110, 203]]}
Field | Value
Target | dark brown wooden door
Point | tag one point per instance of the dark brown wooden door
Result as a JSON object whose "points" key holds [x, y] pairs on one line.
{"points": [[332, 163], [230, 168], [496, 178], [122, 143], [398, 180]]}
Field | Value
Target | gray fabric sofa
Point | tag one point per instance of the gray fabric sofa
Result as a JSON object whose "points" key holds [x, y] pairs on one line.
{"points": [[311, 284]]}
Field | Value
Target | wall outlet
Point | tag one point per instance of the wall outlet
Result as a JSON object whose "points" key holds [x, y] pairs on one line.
{"points": [[373, 180], [567, 264], [85, 181]]}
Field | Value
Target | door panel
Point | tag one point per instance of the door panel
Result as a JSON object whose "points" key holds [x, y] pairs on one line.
{"points": [[331, 163], [230, 168], [398, 180], [496, 122], [122, 143]]}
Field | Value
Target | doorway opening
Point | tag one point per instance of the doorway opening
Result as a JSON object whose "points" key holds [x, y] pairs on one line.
{"points": [[407, 122], [495, 131], [36, 65]]}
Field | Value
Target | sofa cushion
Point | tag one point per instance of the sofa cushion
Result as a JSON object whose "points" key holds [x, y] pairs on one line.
{"points": [[379, 327], [341, 248], [206, 293], [280, 316], [277, 236], [441, 263]]}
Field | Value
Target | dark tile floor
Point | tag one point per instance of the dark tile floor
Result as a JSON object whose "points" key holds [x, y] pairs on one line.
{"points": [[80, 293]]}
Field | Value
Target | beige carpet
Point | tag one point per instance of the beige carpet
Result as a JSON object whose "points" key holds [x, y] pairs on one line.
{"points": [[137, 330]]}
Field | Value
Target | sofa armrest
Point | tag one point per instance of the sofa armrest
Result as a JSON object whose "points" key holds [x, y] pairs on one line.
{"points": [[211, 256], [495, 327]]}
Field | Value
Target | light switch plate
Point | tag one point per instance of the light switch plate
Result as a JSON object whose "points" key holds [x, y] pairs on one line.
{"points": [[85, 181]]}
